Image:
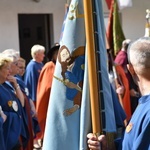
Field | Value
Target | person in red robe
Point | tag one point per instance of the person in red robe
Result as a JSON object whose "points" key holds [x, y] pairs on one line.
{"points": [[120, 84], [44, 88], [122, 59]]}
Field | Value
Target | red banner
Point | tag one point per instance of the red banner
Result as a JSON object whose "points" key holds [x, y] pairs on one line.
{"points": [[108, 2]]}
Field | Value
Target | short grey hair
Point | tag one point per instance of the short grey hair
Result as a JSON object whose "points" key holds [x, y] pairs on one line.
{"points": [[37, 48], [139, 53], [12, 53]]}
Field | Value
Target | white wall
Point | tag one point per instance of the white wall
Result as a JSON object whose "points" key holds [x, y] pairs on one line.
{"points": [[9, 10], [133, 19]]}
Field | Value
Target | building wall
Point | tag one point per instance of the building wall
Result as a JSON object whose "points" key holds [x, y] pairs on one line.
{"points": [[133, 19], [9, 10]]}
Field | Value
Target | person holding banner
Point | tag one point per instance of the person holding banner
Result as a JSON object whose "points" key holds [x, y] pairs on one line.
{"points": [[137, 132]]}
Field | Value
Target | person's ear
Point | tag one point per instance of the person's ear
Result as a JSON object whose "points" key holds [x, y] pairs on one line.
{"points": [[131, 69]]}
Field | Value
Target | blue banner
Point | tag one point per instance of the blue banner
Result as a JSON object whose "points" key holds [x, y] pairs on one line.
{"points": [[68, 119]]}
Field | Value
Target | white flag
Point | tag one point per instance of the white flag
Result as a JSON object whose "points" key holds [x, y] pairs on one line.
{"points": [[124, 3]]}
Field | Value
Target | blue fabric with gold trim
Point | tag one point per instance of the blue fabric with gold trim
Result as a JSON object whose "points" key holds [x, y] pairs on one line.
{"points": [[137, 133], [12, 125], [21, 113]]}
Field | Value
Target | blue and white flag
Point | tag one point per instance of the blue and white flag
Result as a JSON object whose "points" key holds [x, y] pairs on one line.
{"points": [[68, 119]]}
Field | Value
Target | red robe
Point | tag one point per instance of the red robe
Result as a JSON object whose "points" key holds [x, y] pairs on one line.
{"points": [[43, 94], [126, 96]]}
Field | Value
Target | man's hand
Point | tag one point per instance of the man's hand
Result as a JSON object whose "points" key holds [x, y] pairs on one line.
{"points": [[97, 143], [120, 90]]}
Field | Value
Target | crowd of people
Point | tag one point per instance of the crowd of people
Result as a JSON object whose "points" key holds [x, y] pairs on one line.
{"points": [[21, 122], [25, 92]]}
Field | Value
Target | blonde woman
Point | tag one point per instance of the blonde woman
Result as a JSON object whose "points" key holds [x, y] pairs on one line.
{"points": [[10, 106]]}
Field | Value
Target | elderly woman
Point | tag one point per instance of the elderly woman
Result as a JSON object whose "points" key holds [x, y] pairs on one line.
{"points": [[33, 124], [10, 106], [12, 85], [33, 70], [11, 82]]}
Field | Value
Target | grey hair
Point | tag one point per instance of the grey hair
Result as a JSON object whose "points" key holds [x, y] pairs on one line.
{"points": [[35, 49], [139, 53], [12, 53]]}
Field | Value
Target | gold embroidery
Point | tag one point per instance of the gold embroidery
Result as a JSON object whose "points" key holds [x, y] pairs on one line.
{"points": [[10, 103], [74, 12], [69, 84], [13, 104]]}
